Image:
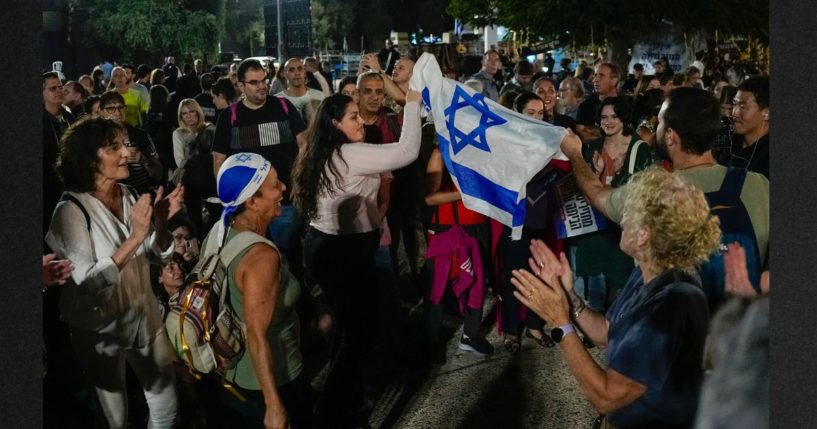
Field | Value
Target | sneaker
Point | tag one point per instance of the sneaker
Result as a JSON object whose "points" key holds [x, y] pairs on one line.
{"points": [[477, 345]]}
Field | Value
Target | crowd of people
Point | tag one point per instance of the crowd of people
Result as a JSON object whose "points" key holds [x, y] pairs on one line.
{"points": [[319, 187]]}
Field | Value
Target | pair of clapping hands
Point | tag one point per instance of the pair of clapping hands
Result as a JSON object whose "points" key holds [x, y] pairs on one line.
{"points": [[545, 288]]}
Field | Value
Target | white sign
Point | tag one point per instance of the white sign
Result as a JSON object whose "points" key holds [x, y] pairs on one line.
{"points": [[647, 53]]}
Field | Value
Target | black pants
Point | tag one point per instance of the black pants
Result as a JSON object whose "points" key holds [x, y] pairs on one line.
{"points": [[515, 255], [343, 266]]}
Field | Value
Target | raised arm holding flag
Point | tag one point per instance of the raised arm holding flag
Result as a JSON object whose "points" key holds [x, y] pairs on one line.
{"points": [[490, 151]]}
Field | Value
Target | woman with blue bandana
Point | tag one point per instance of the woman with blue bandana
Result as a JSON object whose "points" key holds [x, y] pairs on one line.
{"points": [[263, 294], [334, 184]]}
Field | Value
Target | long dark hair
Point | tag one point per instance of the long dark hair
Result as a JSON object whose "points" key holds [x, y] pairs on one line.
{"points": [[309, 176]]}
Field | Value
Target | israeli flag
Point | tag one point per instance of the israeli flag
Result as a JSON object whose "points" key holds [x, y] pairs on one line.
{"points": [[491, 152]]}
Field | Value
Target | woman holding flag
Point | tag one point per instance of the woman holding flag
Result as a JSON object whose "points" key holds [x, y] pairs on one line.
{"points": [[335, 182]]}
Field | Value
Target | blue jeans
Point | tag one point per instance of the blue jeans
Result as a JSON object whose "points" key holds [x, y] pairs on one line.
{"points": [[592, 288], [282, 229]]}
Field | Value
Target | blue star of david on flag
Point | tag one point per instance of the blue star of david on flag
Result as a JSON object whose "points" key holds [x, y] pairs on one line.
{"points": [[476, 138], [243, 157]]}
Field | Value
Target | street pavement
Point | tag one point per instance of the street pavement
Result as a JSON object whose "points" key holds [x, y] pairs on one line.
{"points": [[532, 389]]}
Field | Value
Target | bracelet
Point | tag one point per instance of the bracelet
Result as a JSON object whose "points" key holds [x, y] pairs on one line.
{"points": [[579, 309]]}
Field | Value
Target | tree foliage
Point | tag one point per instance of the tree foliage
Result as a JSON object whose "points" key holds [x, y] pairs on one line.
{"points": [[331, 21], [152, 28], [244, 26], [619, 22]]}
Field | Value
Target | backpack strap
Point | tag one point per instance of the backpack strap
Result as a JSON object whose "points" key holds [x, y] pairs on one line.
{"points": [[283, 104], [633, 156], [233, 115], [239, 243], [68, 197], [733, 181]]}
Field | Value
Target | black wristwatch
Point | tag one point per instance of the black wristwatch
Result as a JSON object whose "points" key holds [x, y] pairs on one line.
{"points": [[560, 332]]}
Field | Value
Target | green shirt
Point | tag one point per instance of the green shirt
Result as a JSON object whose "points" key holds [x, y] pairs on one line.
{"points": [[599, 252], [755, 196], [284, 330]]}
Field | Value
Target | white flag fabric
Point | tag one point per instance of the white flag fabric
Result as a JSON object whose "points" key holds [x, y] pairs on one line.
{"points": [[491, 152]]}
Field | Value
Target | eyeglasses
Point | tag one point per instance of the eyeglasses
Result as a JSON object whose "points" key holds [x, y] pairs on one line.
{"points": [[256, 82], [114, 109]]}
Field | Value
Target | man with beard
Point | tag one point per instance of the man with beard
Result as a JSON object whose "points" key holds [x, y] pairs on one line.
{"points": [[688, 124]]}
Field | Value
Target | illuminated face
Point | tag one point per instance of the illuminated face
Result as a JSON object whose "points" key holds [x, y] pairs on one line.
{"points": [[350, 90], [403, 71], [610, 122], [371, 95], [53, 92], [254, 86], [547, 92], [604, 82], [351, 124], [114, 110], [119, 78], [113, 159], [190, 117], [295, 73], [491, 63], [534, 109], [747, 116]]}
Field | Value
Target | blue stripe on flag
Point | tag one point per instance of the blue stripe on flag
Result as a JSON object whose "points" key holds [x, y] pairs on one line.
{"points": [[478, 186]]}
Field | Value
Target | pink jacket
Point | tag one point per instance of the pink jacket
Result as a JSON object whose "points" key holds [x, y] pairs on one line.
{"points": [[442, 249]]}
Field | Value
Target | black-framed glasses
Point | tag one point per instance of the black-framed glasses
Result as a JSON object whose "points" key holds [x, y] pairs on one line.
{"points": [[115, 108]]}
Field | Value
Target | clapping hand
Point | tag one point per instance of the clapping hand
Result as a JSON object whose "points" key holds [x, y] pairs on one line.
{"points": [[166, 207], [56, 272], [737, 281], [545, 292]]}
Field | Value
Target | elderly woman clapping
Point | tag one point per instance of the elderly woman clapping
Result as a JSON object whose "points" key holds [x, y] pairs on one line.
{"points": [[655, 330], [109, 231]]}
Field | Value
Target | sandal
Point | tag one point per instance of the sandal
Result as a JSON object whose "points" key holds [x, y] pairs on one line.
{"points": [[511, 343], [545, 341]]}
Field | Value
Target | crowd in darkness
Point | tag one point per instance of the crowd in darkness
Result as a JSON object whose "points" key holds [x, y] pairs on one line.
{"points": [[341, 188]]}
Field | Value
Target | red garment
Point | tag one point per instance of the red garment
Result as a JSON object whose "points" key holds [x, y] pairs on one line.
{"points": [[444, 214], [457, 262]]}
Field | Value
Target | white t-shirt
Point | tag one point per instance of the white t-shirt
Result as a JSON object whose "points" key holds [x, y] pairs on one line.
{"points": [[303, 103]]}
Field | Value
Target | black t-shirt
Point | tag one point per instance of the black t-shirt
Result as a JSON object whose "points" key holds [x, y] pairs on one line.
{"points": [[268, 131], [588, 111], [373, 134], [753, 158], [207, 106]]}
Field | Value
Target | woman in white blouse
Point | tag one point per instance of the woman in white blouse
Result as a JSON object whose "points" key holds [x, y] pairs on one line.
{"points": [[109, 232], [335, 183]]}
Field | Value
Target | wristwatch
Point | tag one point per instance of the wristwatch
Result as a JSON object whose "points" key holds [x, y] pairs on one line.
{"points": [[560, 332]]}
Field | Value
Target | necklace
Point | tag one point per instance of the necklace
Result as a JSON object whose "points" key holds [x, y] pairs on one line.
{"points": [[245, 224]]}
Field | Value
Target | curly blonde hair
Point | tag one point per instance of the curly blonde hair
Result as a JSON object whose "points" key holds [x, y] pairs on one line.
{"points": [[683, 234]]}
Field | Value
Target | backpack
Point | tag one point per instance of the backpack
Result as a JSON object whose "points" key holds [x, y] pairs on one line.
{"points": [[736, 226], [204, 329]]}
